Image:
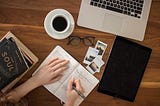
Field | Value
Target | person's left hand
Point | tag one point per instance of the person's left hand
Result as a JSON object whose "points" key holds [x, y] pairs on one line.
{"points": [[51, 72]]}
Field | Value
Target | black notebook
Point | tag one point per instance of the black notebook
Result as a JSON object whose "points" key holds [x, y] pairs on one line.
{"points": [[124, 69], [12, 64]]}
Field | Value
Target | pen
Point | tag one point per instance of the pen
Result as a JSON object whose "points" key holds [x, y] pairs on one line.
{"points": [[79, 93]]}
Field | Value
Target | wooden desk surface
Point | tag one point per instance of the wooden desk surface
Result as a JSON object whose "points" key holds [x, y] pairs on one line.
{"points": [[25, 19]]}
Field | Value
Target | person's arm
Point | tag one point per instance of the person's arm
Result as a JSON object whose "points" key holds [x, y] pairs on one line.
{"points": [[16, 94], [49, 73], [72, 95]]}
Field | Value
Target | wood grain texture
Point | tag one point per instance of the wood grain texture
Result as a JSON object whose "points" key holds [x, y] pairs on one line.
{"points": [[25, 19]]}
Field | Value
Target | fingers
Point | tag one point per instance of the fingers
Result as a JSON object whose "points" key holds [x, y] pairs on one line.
{"points": [[58, 66], [56, 62], [3, 99], [71, 82], [59, 63], [78, 85], [51, 61], [59, 70], [12, 97]]}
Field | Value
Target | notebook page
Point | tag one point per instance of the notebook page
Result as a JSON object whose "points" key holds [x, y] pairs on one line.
{"points": [[60, 53], [88, 82]]}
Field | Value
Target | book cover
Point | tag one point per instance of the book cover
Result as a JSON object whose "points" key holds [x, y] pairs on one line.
{"points": [[27, 55], [12, 64]]}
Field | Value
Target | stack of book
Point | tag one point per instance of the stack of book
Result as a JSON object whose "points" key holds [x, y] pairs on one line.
{"points": [[15, 61]]}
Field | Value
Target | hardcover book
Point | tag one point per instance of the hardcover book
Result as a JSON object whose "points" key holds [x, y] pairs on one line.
{"points": [[15, 61], [12, 64]]}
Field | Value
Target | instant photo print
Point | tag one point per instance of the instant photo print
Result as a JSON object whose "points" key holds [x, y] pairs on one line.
{"points": [[92, 53], [101, 47], [95, 65]]}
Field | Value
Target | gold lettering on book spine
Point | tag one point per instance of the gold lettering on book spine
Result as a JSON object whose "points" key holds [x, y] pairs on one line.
{"points": [[8, 61]]}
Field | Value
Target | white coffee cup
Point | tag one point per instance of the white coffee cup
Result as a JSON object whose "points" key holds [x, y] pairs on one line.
{"points": [[59, 24]]}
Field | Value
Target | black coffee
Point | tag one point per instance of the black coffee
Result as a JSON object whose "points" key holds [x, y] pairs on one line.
{"points": [[59, 23]]}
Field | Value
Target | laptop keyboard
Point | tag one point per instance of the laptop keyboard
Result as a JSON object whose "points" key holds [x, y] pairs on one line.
{"points": [[127, 7]]}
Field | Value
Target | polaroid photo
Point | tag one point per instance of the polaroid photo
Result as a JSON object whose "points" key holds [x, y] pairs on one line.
{"points": [[101, 47], [95, 65], [91, 54]]}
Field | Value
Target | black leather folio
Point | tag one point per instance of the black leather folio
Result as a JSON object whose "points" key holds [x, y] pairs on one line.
{"points": [[12, 63], [124, 69]]}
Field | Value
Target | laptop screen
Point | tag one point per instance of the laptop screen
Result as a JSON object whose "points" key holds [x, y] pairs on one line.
{"points": [[124, 69]]}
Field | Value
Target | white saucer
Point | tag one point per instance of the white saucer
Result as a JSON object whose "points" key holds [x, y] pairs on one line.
{"points": [[49, 28]]}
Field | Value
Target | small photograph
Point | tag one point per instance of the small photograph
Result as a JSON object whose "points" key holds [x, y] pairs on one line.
{"points": [[93, 66], [101, 47], [90, 58], [91, 54]]}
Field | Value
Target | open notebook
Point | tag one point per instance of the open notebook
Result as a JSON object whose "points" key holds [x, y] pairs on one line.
{"points": [[76, 70]]}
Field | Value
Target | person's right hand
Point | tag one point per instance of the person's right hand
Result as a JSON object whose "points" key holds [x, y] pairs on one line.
{"points": [[51, 72], [72, 95]]}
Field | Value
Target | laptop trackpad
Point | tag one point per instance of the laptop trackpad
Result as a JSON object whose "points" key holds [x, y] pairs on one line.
{"points": [[112, 23]]}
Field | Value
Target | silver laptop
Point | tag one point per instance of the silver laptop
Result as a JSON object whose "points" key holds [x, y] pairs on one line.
{"points": [[127, 18]]}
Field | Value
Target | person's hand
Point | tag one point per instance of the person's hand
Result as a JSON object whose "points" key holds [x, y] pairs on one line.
{"points": [[13, 97], [51, 72], [72, 95]]}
